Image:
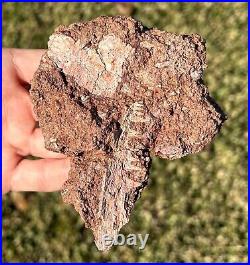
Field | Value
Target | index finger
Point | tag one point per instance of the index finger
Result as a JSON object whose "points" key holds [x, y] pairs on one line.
{"points": [[27, 62]]}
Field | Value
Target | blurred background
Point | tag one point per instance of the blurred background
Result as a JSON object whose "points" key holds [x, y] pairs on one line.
{"points": [[195, 208]]}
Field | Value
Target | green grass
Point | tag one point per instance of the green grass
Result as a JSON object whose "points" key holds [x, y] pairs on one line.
{"points": [[195, 208]]}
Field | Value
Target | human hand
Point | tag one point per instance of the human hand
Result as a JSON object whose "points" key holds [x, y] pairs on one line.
{"points": [[20, 135]]}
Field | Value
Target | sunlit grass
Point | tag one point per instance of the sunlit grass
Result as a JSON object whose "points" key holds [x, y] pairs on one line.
{"points": [[195, 208]]}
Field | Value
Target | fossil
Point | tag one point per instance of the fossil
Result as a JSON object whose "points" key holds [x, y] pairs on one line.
{"points": [[110, 93]]}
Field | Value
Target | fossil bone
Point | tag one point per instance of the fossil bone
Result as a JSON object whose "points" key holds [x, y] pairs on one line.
{"points": [[110, 93]]}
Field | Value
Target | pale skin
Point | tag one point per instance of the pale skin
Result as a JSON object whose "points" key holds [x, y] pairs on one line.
{"points": [[21, 137]]}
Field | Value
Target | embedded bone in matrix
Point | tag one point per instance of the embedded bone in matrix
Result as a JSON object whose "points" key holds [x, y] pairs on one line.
{"points": [[110, 93]]}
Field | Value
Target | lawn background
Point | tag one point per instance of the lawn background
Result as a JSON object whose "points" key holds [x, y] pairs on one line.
{"points": [[195, 208]]}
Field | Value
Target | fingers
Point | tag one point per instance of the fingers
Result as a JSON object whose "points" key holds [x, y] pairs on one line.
{"points": [[19, 120], [26, 62], [37, 148], [40, 175]]}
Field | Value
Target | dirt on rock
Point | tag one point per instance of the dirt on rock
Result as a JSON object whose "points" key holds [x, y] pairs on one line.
{"points": [[110, 93]]}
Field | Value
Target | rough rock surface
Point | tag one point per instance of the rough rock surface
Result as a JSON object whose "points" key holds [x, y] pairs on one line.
{"points": [[110, 93]]}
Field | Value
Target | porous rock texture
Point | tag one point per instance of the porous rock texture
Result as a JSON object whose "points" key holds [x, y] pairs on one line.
{"points": [[110, 93]]}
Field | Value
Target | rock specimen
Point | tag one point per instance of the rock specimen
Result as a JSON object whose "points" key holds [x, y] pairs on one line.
{"points": [[110, 93]]}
